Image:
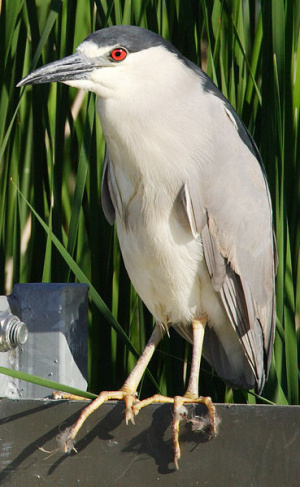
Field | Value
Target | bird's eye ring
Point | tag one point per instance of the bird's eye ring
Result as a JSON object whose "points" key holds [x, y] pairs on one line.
{"points": [[118, 54]]}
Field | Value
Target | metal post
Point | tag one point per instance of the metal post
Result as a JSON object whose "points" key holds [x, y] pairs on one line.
{"points": [[56, 349]]}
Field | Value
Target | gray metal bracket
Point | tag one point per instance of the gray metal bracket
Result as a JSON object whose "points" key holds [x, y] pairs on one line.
{"points": [[57, 319]]}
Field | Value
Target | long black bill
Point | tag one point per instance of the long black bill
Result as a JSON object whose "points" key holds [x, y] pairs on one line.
{"points": [[71, 67]]}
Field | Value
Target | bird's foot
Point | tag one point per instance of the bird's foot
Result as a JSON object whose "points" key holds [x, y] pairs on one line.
{"points": [[180, 413], [208, 423], [66, 438]]}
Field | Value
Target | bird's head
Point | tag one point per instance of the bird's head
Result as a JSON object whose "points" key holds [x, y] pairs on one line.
{"points": [[118, 59]]}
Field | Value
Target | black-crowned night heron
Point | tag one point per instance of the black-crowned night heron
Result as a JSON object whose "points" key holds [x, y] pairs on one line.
{"points": [[186, 186]]}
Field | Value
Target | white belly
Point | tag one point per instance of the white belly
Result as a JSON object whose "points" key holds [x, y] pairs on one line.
{"points": [[166, 266]]}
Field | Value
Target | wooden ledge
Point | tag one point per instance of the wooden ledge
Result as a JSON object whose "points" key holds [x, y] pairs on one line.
{"points": [[256, 445]]}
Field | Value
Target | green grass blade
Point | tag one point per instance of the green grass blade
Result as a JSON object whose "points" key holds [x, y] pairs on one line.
{"points": [[81, 175], [40, 381]]}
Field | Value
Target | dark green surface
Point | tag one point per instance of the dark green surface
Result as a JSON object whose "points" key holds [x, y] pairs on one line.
{"points": [[256, 446]]}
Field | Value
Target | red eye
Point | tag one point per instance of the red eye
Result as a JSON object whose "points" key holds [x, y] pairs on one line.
{"points": [[118, 54]]}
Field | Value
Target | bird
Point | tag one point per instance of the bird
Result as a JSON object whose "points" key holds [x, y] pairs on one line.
{"points": [[185, 185]]}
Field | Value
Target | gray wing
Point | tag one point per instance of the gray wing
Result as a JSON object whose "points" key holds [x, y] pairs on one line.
{"points": [[234, 219], [107, 204]]}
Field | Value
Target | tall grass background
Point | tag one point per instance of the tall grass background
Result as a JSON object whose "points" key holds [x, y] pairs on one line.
{"points": [[52, 226]]}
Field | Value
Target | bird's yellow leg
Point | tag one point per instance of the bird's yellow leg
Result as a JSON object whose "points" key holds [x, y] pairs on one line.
{"points": [[191, 395], [126, 393]]}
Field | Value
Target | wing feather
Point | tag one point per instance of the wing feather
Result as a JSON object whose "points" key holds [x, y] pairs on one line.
{"points": [[235, 224]]}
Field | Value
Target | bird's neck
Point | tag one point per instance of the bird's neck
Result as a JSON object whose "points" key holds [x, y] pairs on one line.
{"points": [[135, 142]]}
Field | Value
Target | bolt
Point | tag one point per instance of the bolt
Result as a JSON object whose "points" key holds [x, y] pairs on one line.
{"points": [[13, 331]]}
